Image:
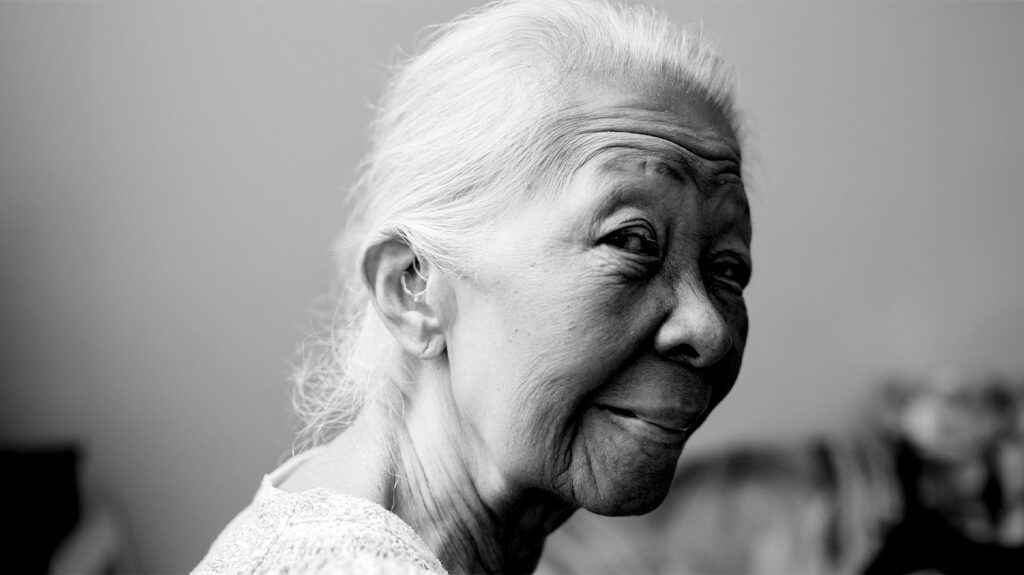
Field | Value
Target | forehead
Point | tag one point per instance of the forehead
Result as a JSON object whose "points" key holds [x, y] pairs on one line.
{"points": [[669, 114], [688, 137], [660, 134], [633, 155]]}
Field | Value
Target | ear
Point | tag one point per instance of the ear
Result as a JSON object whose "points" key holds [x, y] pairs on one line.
{"points": [[405, 292]]}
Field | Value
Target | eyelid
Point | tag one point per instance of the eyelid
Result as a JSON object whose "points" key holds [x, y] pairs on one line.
{"points": [[636, 227], [736, 258], [638, 224], [630, 218]]}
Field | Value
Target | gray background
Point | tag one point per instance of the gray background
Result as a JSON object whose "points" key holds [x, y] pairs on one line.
{"points": [[170, 177]]}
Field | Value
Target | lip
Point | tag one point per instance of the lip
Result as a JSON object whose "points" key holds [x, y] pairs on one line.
{"points": [[663, 424]]}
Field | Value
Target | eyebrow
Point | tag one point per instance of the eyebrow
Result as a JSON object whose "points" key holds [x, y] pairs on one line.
{"points": [[680, 164], [719, 191], [667, 169], [704, 145], [739, 200]]}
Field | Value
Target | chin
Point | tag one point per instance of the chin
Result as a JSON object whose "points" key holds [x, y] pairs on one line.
{"points": [[627, 487], [629, 498], [623, 471]]}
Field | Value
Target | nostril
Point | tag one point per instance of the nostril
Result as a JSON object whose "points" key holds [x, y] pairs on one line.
{"points": [[687, 350]]}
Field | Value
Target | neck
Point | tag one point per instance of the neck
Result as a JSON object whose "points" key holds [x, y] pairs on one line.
{"points": [[453, 496]]}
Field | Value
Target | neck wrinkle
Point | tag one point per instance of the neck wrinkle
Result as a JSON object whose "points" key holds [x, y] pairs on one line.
{"points": [[440, 496]]}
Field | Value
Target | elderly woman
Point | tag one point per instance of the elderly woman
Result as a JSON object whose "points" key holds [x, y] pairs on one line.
{"points": [[550, 241]]}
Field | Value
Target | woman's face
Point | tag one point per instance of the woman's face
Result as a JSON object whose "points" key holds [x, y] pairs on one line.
{"points": [[605, 320]]}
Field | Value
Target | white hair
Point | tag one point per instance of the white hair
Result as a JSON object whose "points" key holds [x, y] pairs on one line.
{"points": [[486, 114]]}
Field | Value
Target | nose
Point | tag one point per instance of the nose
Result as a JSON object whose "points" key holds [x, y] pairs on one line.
{"points": [[694, 332]]}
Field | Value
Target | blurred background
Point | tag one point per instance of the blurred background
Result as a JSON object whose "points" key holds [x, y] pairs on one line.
{"points": [[170, 178]]}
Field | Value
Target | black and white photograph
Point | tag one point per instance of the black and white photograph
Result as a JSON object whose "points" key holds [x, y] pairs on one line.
{"points": [[565, 287]]}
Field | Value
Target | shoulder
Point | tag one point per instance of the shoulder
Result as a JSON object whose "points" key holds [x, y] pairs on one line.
{"points": [[317, 531]]}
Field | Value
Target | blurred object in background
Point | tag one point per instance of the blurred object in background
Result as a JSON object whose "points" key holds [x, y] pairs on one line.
{"points": [[812, 508], [41, 503], [957, 440], [935, 483], [49, 527]]}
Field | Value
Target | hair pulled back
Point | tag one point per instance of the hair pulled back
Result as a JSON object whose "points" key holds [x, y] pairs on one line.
{"points": [[481, 118]]}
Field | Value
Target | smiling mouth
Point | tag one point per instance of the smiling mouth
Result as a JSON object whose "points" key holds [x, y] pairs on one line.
{"points": [[673, 428]]}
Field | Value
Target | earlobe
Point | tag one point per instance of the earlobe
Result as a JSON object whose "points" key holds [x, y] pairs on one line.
{"points": [[402, 288]]}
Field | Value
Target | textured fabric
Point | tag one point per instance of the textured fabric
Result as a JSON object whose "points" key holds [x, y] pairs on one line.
{"points": [[316, 531]]}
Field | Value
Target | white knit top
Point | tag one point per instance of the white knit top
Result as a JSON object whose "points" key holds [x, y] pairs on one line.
{"points": [[316, 531]]}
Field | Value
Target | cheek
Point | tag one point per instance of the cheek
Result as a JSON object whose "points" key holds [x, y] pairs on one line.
{"points": [[563, 317], [505, 344], [527, 353], [733, 310], [576, 333], [742, 322], [725, 372]]}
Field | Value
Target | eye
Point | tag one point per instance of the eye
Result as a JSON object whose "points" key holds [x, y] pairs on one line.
{"points": [[635, 239], [731, 270]]}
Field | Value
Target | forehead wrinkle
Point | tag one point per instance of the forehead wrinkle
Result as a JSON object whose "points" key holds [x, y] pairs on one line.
{"points": [[706, 141], [707, 145], [664, 158]]}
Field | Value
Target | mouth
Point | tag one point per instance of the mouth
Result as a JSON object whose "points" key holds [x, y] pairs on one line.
{"points": [[667, 426]]}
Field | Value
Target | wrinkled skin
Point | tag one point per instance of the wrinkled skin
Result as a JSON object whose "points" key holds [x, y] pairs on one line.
{"points": [[602, 321], [605, 320]]}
